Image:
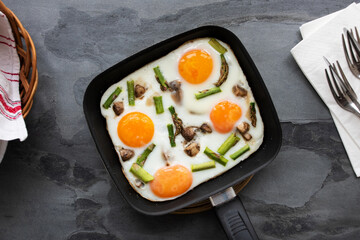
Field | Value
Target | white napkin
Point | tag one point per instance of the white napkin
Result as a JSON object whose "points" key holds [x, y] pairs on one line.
{"points": [[12, 124], [322, 37]]}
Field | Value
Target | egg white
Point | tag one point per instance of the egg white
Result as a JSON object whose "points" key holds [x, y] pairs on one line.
{"points": [[193, 113]]}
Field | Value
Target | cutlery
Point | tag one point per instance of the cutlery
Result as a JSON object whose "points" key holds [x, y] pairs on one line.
{"points": [[353, 51], [341, 90]]}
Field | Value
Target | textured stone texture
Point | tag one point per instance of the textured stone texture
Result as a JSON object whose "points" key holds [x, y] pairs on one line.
{"points": [[54, 186]]}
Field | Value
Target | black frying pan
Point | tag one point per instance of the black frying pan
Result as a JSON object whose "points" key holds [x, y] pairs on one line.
{"points": [[232, 213]]}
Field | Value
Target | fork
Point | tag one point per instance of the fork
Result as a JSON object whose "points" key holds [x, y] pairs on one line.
{"points": [[354, 50], [341, 90]]}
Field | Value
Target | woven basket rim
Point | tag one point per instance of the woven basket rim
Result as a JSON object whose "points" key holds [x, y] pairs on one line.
{"points": [[28, 64]]}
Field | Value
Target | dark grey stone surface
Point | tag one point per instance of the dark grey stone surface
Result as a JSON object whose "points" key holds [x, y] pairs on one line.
{"points": [[54, 186]]}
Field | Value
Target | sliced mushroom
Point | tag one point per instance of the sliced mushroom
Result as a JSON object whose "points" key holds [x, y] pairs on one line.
{"points": [[243, 127], [205, 128], [239, 91], [166, 158], [177, 93], [139, 183], [139, 90], [192, 149], [188, 133], [126, 154], [118, 108], [175, 85], [177, 96], [247, 136]]}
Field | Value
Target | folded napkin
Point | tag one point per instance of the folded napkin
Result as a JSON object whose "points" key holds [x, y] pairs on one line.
{"points": [[322, 37], [12, 125]]}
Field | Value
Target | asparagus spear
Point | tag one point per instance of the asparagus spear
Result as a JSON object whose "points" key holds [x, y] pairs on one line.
{"points": [[142, 158], [229, 143], [240, 152], [202, 166], [253, 114], [160, 78], [158, 104], [207, 92], [215, 156], [224, 71], [177, 121], [131, 94], [171, 135], [112, 97], [139, 172], [217, 46]]}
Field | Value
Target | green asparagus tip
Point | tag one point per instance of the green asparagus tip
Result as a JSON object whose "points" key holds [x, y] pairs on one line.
{"points": [[171, 135], [229, 143], [112, 97], [160, 78], [217, 46], [142, 158], [131, 92], [214, 156], [207, 92], [240, 152], [158, 104], [202, 166], [139, 172]]}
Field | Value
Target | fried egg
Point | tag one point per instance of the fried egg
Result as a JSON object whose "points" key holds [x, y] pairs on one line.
{"points": [[196, 65]]}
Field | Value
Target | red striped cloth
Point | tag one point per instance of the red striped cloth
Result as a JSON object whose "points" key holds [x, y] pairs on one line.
{"points": [[12, 124]]}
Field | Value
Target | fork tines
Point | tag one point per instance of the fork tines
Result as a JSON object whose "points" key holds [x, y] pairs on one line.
{"points": [[353, 51], [340, 88]]}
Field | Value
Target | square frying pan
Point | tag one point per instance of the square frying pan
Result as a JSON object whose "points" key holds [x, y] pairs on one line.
{"points": [[258, 160]]}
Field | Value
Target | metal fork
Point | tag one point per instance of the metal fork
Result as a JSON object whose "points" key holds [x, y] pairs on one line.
{"points": [[354, 51], [341, 90]]}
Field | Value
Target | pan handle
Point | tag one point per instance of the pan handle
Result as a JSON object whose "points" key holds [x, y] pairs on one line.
{"points": [[232, 215]]}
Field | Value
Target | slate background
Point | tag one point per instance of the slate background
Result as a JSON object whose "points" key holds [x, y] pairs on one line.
{"points": [[54, 186]]}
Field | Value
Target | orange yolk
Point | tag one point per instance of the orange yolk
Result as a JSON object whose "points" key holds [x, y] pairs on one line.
{"points": [[195, 66], [224, 116], [171, 181], [135, 129]]}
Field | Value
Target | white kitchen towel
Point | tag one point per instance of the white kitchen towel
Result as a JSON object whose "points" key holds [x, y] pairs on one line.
{"points": [[12, 124], [322, 37]]}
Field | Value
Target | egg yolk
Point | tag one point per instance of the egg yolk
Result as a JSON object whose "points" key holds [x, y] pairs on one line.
{"points": [[135, 129], [171, 181], [224, 116], [195, 66]]}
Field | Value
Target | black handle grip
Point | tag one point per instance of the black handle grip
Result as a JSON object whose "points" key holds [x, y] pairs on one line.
{"points": [[235, 221]]}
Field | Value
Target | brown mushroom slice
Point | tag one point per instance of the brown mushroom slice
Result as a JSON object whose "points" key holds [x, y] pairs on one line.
{"points": [[126, 154], [247, 136], [118, 108], [175, 85], [239, 91], [177, 93], [139, 90], [243, 127], [205, 128], [192, 149], [188, 133], [166, 157], [177, 96], [139, 183]]}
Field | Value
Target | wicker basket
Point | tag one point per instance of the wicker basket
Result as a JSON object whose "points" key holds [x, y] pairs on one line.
{"points": [[27, 54]]}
